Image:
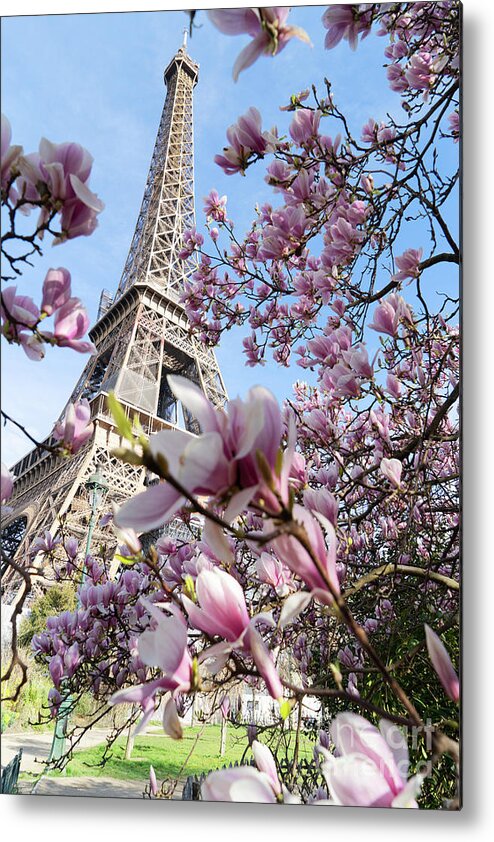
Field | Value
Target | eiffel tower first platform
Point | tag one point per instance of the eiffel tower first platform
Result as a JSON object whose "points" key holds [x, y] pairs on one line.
{"points": [[142, 335]]}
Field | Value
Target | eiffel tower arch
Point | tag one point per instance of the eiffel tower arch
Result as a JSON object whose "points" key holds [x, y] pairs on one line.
{"points": [[141, 335]]}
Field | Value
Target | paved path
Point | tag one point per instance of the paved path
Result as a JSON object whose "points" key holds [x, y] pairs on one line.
{"points": [[36, 747], [94, 787]]}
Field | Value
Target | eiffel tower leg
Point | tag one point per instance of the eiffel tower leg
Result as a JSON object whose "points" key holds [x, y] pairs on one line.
{"points": [[55, 492]]}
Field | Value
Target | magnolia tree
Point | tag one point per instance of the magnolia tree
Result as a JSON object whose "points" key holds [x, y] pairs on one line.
{"points": [[53, 186], [323, 559]]}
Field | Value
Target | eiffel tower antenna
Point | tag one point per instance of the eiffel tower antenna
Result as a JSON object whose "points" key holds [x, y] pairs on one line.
{"points": [[142, 335]]}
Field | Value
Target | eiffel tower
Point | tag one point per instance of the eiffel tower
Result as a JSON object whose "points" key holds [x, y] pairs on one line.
{"points": [[141, 334]]}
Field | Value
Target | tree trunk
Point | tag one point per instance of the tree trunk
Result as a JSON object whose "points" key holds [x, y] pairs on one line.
{"points": [[223, 736]]}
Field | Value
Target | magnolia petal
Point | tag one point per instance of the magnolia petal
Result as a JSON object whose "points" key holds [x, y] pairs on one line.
{"points": [[396, 741], [264, 663], [195, 401], [142, 724], [171, 722], [215, 657], [164, 646], [256, 790], [69, 423], [265, 763], [153, 783], [254, 423], [170, 444], [217, 541], [352, 734], [293, 606], [235, 21], [86, 196], [243, 783], [298, 32], [150, 509], [263, 618], [442, 664], [407, 796], [200, 619], [354, 781], [138, 694], [239, 503], [204, 467], [250, 54]]}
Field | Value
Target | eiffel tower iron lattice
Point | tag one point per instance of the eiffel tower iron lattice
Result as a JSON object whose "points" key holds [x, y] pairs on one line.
{"points": [[141, 335]]}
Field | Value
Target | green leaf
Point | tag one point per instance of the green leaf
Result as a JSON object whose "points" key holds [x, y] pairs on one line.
{"points": [[286, 708], [122, 423], [125, 559]]}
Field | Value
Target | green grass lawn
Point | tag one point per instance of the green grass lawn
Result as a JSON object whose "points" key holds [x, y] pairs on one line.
{"points": [[166, 755]]}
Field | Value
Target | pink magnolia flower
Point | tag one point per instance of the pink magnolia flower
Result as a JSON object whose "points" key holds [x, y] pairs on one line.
{"points": [[71, 547], [397, 79], [345, 20], [264, 662], [391, 469], [387, 315], [246, 138], [45, 544], [357, 359], [442, 664], [369, 131], [393, 385], [164, 646], [191, 240], [226, 454], [56, 290], [454, 125], [341, 380], [321, 500], [285, 234], [267, 27], [79, 217], [63, 169], [56, 670], [222, 611], [241, 783], [371, 768], [171, 721], [76, 427], [7, 484], [71, 659], [420, 72], [298, 559], [265, 763], [215, 207], [71, 323], [305, 126], [9, 156], [18, 312], [20, 317], [33, 345], [408, 264], [245, 783], [221, 608], [273, 572]]}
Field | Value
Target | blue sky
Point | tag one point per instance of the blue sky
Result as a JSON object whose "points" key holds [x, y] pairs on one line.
{"points": [[98, 79]]}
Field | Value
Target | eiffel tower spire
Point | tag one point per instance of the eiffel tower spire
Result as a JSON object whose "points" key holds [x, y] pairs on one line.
{"points": [[168, 204], [142, 335]]}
